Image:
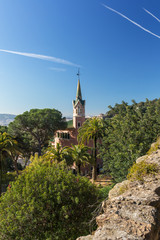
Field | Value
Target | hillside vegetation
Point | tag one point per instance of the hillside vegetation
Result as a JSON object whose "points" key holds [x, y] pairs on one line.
{"points": [[47, 202], [129, 131]]}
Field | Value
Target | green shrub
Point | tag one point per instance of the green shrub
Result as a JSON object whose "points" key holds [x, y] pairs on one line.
{"points": [[47, 202], [104, 191], [139, 170]]}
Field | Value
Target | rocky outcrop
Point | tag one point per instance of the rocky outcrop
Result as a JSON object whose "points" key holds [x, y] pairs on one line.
{"points": [[132, 211]]}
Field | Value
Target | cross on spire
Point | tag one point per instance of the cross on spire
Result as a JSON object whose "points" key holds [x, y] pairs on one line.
{"points": [[78, 74]]}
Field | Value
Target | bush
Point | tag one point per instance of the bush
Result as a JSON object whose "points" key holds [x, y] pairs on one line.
{"points": [[104, 191], [139, 170], [47, 202]]}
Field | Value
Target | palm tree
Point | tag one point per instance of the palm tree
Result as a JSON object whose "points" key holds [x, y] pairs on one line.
{"points": [[58, 154], [6, 144], [80, 155], [15, 152], [92, 129]]}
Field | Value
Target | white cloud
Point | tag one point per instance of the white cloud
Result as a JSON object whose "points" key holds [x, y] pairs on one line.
{"points": [[42, 57], [151, 14], [138, 25]]}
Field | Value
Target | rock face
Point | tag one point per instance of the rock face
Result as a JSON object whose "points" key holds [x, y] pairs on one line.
{"points": [[132, 211]]}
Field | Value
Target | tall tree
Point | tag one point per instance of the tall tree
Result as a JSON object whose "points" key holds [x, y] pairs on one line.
{"points": [[37, 126], [128, 135], [92, 129], [80, 155], [6, 144], [15, 153]]}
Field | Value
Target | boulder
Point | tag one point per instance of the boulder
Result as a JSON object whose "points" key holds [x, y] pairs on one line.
{"points": [[132, 211]]}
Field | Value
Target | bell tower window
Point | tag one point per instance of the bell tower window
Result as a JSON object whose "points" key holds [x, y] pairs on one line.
{"points": [[79, 124]]}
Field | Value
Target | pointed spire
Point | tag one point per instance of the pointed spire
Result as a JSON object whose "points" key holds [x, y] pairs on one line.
{"points": [[79, 94]]}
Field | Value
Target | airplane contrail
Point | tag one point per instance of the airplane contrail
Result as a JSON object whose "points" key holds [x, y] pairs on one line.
{"points": [[151, 14], [42, 57], [138, 25]]}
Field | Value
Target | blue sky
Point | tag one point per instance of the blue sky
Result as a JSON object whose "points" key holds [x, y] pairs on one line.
{"points": [[42, 44]]}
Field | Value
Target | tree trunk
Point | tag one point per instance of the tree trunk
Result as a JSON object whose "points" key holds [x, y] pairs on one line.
{"points": [[94, 170], [39, 150], [14, 159], [79, 169]]}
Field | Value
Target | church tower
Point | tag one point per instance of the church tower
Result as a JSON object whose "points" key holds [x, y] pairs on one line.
{"points": [[78, 108]]}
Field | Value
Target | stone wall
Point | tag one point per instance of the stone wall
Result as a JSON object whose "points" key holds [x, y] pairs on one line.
{"points": [[132, 211]]}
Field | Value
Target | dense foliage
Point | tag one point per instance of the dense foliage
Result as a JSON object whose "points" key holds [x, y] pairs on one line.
{"points": [[33, 129], [129, 131], [6, 147], [9, 153], [3, 129], [47, 202]]}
